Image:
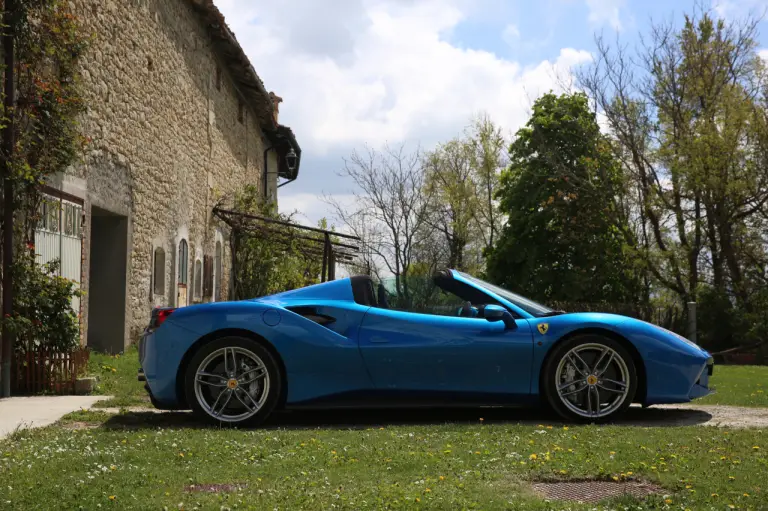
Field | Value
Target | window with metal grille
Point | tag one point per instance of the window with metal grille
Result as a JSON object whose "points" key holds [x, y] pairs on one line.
{"points": [[183, 262]]}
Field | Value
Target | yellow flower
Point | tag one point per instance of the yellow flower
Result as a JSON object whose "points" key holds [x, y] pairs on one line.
{"points": [[756, 447], [533, 456], [418, 499], [667, 501], [731, 478], [112, 497], [114, 370], [614, 452], [442, 478], [565, 428], [687, 486], [427, 490], [714, 495], [181, 454], [477, 452], [615, 478], [333, 452], [563, 471], [746, 494], [630, 473], [112, 467]]}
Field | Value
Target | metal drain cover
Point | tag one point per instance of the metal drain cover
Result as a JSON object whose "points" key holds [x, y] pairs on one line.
{"points": [[593, 491]]}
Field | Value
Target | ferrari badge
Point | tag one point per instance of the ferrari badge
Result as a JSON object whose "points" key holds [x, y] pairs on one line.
{"points": [[543, 327]]}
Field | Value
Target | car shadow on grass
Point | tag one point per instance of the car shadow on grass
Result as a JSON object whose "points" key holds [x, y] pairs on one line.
{"points": [[363, 419]]}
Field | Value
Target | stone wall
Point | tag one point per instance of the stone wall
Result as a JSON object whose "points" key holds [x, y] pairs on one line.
{"points": [[167, 140]]}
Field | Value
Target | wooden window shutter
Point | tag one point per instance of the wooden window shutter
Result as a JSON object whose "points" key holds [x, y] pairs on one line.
{"points": [[207, 276]]}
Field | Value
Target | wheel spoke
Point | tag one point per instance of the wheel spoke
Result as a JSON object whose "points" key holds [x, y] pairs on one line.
{"points": [[227, 368], [602, 371], [576, 365], [589, 401], [618, 383], [201, 376], [224, 406], [597, 399], [262, 372], [617, 391], [580, 389], [599, 359], [568, 384], [237, 395]]}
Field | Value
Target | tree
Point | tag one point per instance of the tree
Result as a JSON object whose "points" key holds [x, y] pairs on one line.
{"points": [[453, 197], [688, 116], [489, 158], [391, 203], [564, 237]]}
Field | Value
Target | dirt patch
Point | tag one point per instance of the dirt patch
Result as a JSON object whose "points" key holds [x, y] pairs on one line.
{"points": [[591, 491], [720, 416], [80, 425], [215, 488]]}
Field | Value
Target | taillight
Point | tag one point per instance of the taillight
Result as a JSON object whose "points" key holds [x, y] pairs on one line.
{"points": [[159, 316]]}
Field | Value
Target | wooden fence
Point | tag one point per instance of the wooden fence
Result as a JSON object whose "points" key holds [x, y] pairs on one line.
{"points": [[40, 370]]}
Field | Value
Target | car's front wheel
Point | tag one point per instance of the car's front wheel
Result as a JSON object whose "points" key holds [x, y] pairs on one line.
{"points": [[589, 378], [233, 381]]}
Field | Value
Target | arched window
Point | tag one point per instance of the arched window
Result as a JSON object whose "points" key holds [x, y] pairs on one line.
{"points": [[217, 269], [158, 284]]}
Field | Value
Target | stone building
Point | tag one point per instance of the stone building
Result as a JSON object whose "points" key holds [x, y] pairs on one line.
{"points": [[177, 118]]}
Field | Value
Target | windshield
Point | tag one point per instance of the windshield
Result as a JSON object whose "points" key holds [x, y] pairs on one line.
{"points": [[527, 305]]}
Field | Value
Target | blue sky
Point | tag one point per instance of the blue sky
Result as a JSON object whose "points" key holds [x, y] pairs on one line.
{"points": [[357, 73]]}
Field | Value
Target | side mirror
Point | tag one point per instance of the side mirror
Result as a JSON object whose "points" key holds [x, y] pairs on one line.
{"points": [[495, 313]]}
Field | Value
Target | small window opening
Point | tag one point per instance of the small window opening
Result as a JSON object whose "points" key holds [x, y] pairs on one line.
{"points": [[198, 279], [158, 284]]}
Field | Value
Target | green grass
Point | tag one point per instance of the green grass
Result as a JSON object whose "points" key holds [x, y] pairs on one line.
{"points": [[117, 378], [134, 462], [432, 460], [739, 386]]}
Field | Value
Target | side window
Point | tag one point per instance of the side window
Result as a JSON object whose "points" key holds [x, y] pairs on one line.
{"points": [[423, 296]]}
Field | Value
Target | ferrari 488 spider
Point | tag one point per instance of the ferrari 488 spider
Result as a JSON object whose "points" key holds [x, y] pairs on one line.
{"points": [[448, 340]]}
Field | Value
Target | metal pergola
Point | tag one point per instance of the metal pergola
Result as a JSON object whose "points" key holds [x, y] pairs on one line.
{"points": [[285, 233]]}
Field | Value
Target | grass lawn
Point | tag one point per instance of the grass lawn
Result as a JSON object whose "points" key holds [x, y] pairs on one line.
{"points": [[446, 460], [739, 386], [117, 378]]}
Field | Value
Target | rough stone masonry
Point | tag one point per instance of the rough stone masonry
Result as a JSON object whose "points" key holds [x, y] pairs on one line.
{"points": [[174, 124]]}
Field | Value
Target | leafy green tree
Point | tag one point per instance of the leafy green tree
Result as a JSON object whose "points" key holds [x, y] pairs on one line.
{"points": [[563, 239]]}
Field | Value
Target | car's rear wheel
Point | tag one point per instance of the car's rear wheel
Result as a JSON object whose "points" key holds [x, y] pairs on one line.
{"points": [[233, 381], [590, 378]]}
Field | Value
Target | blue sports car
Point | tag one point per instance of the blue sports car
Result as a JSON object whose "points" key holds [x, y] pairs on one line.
{"points": [[447, 340]]}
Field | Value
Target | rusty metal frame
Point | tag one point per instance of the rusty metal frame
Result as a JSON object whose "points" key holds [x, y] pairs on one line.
{"points": [[332, 251]]}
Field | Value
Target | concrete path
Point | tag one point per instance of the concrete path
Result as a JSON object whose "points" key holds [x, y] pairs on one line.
{"points": [[34, 412]]}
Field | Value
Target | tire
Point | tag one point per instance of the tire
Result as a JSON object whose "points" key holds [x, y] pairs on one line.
{"points": [[244, 398], [592, 396]]}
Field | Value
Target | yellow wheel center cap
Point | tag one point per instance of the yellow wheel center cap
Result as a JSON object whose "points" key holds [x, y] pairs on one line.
{"points": [[232, 384], [592, 379]]}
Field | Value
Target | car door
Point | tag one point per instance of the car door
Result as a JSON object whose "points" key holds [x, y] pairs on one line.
{"points": [[406, 351]]}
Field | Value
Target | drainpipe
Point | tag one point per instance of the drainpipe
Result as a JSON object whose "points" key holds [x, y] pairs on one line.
{"points": [[266, 171]]}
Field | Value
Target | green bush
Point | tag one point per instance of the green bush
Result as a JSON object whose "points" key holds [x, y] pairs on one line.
{"points": [[42, 305]]}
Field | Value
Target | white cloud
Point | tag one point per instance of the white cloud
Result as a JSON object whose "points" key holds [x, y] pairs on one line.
{"points": [[370, 71], [605, 12], [763, 54], [511, 34], [734, 9]]}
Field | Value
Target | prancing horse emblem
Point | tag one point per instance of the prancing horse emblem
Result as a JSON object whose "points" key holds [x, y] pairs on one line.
{"points": [[543, 327]]}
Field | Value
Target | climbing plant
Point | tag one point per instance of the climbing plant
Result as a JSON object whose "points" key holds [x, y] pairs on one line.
{"points": [[48, 44]]}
